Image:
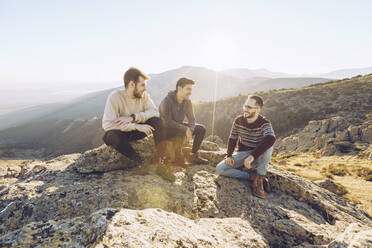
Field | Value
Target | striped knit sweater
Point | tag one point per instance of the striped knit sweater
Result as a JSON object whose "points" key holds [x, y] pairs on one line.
{"points": [[257, 136]]}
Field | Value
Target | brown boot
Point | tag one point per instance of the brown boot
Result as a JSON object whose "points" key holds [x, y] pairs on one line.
{"points": [[253, 176], [259, 191], [266, 185]]}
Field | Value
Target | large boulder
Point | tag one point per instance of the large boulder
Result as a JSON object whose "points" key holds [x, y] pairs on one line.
{"points": [[105, 158], [110, 227]]}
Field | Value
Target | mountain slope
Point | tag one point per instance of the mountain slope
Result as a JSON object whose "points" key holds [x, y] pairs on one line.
{"points": [[346, 73], [283, 83], [245, 73]]}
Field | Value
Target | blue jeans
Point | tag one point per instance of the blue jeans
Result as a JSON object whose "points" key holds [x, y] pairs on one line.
{"points": [[260, 164]]}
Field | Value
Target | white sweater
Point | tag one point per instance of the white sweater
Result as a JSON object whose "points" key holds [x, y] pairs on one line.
{"points": [[119, 104]]}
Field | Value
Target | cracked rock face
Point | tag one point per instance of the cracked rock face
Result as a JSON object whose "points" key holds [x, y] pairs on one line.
{"points": [[333, 136], [97, 199]]}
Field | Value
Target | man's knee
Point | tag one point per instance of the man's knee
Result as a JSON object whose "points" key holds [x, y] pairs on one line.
{"points": [[263, 162], [199, 129], [265, 157], [220, 168], [112, 138]]}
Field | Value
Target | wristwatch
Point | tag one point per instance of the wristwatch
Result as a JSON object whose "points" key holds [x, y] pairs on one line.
{"points": [[133, 117]]}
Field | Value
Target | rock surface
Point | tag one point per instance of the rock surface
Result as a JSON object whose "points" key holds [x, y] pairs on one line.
{"points": [[333, 136], [330, 185], [95, 200]]}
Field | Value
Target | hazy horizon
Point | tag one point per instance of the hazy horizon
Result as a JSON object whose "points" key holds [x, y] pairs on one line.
{"points": [[45, 42], [53, 51]]}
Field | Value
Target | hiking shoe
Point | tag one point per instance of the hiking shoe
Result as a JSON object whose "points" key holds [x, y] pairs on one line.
{"points": [[259, 190], [195, 159]]}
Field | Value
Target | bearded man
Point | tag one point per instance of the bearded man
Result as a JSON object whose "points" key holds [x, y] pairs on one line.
{"points": [[255, 138], [130, 115]]}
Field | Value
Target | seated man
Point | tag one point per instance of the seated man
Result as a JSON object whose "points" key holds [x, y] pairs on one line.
{"points": [[130, 115], [256, 139], [173, 110]]}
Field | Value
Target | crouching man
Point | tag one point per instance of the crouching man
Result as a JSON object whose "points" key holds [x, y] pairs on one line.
{"points": [[130, 115], [255, 137], [173, 110]]}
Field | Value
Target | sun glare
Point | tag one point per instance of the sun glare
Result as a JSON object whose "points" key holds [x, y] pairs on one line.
{"points": [[219, 51]]}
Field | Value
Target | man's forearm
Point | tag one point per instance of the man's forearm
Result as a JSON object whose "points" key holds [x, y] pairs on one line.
{"points": [[145, 115], [169, 123], [231, 144], [267, 142]]}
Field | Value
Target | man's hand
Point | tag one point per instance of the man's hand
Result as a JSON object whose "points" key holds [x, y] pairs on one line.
{"points": [[123, 120], [188, 134], [248, 161], [144, 128], [229, 161]]}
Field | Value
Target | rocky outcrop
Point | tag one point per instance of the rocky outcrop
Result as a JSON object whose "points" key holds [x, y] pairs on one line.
{"points": [[105, 158], [330, 185], [333, 136], [66, 202]]}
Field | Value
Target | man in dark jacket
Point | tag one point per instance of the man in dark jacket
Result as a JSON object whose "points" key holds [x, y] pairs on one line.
{"points": [[173, 110]]}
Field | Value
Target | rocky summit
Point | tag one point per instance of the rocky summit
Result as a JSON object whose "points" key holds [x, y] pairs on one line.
{"points": [[100, 199], [333, 136]]}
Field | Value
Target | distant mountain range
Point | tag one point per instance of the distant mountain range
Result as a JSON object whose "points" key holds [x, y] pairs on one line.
{"points": [[210, 85], [338, 74], [289, 110], [248, 73]]}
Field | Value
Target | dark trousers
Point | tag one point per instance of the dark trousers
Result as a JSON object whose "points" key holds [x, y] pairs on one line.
{"points": [[198, 133], [120, 140]]}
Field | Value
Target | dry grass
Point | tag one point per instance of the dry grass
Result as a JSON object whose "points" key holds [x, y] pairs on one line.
{"points": [[354, 173]]}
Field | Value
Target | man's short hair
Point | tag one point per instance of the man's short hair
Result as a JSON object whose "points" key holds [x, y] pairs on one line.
{"points": [[133, 74], [258, 99], [183, 82]]}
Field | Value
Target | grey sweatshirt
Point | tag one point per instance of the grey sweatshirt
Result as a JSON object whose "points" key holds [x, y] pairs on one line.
{"points": [[173, 113]]}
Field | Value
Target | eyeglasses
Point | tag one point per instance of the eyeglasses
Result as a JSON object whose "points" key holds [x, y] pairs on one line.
{"points": [[249, 107]]}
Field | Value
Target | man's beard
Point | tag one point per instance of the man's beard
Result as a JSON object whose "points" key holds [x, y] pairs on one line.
{"points": [[187, 96], [249, 116], [137, 94]]}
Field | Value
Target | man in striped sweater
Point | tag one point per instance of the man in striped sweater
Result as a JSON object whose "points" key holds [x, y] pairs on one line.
{"points": [[255, 138]]}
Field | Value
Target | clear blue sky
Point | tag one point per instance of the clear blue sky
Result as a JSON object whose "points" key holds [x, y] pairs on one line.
{"points": [[50, 42]]}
